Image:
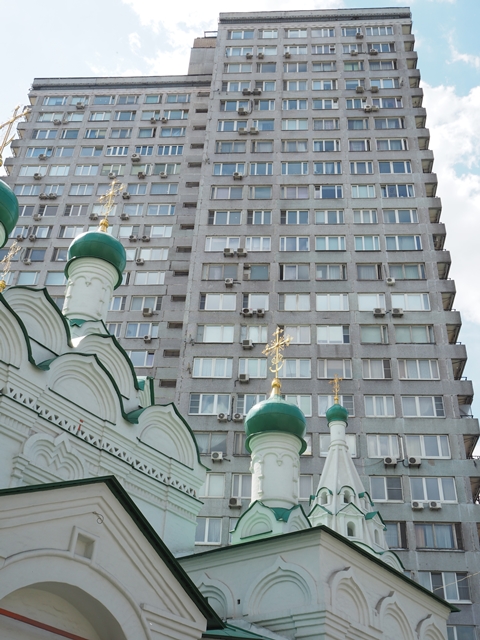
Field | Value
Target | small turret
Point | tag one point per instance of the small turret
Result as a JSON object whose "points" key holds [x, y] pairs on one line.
{"points": [[8, 212]]}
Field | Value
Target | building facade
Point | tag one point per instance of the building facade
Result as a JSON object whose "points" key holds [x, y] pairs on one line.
{"points": [[285, 181]]}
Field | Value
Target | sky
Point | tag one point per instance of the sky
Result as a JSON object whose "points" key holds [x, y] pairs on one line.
{"points": [[58, 38]]}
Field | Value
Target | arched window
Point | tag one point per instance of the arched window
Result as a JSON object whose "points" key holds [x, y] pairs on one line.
{"points": [[377, 537], [347, 497], [350, 530], [324, 498]]}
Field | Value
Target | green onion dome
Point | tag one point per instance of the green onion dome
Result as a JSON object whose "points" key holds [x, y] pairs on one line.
{"points": [[337, 413], [8, 212], [274, 414], [98, 244]]}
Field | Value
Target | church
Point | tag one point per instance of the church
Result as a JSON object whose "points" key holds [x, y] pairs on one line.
{"points": [[99, 495]]}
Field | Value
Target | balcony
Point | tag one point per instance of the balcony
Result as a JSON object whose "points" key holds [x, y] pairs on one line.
{"points": [[412, 61], [453, 326], [448, 297], [431, 187], [409, 43], [443, 265], [435, 211], [414, 79], [470, 442], [421, 119], [458, 366], [417, 99], [427, 161]]}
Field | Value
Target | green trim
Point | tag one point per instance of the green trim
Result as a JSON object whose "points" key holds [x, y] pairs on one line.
{"points": [[282, 514], [231, 631], [213, 620], [349, 506], [324, 487], [320, 506], [100, 246], [278, 512], [365, 493], [76, 322], [319, 530], [346, 486], [8, 209]]}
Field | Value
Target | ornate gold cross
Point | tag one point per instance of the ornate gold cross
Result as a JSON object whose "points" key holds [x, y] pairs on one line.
{"points": [[6, 262], [108, 201], [7, 139], [336, 387], [280, 341]]}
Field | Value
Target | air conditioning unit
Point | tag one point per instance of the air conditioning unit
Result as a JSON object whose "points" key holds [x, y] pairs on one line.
{"points": [[359, 36], [37, 216], [163, 174], [229, 282], [243, 377], [124, 216], [235, 503], [260, 55], [32, 237], [249, 56], [246, 312], [42, 156], [241, 253], [136, 157], [375, 108], [222, 417], [57, 122], [140, 261], [246, 92], [141, 175], [247, 344], [389, 461], [164, 119], [19, 238], [153, 120], [287, 54], [237, 417], [414, 461], [93, 216], [112, 175], [253, 131], [145, 238], [373, 52], [374, 88], [133, 238], [242, 112], [378, 312], [217, 456], [397, 313], [367, 108], [52, 196], [237, 176], [147, 312], [257, 92], [27, 261], [260, 313], [147, 338], [242, 131], [359, 89], [228, 253], [126, 195], [417, 506], [354, 53], [37, 176], [434, 504], [43, 196], [80, 106], [390, 281]]}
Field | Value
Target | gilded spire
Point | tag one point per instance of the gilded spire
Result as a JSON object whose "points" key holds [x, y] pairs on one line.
{"points": [[7, 138], [336, 387], [108, 201], [278, 344], [6, 262]]}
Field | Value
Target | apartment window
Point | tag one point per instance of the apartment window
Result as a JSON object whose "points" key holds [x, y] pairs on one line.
{"points": [[362, 190], [376, 369], [170, 150], [294, 146], [141, 358], [461, 632], [294, 105], [442, 489], [44, 134], [35, 255], [386, 489], [140, 329], [295, 33], [438, 536], [351, 439], [380, 446], [329, 367], [296, 368], [358, 124], [290, 192], [367, 243], [259, 217], [359, 145], [230, 147], [300, 334], [327, 168], [214, 486], [326, 401], [356, 103], [379, 406], [266, 67], [218, 301], [400, 216], [258, 334], [294, 302], [382, 65], [215, 333], [259, 192], [332, 302], [369, 272], [425, 446], [414, 334], [42, 232], [168, 132], [255, 301], [60, 255], [411, 301], [324, 103], [219, 243], [387, 103], [208, 531], [265, 105], [149, 277], [26, 210], [208, 442], [331, 272], [328, 191], [34, 152], [324, 67], [230, 125], [294, 272], [392, 144], [403, 243], [332, 216], [54, 101], [32, 170], [265, 85], [224, 217], [118, 303], [294, 168], [178, 97], [423, 407], [28, 278], [323, 49], [254, 367], [63, 152], [365, 216], [333, 334], [369, 301], [176, 114], [170, 168], [209, 404], [326, 124], [241, 485], [295, 243], [395, 167], [446, 584], [152, 254], [104, 100], [70, 232], [212, 367], [362, 168], [261, 168], [373, 334], [295, 67], [240, 34], [238, 67], [396, 535], [324, 85], [294, 124], [133, 209], [389, 123], [303, 402], [330, 243], [407, 271], [414, 369], [382, 47], [244, 403], [26, 189], [146, 302], [353, 66], [160, 209], [226, 193], [324, 146]]}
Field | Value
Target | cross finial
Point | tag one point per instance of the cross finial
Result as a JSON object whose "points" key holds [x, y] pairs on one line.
{"points": [[15, 248], [278, 344], [7, 138], [108, 201], [336, 387]]}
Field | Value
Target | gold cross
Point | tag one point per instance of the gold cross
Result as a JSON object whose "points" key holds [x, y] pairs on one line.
{"points": [[15, 248], [280, 341], [336, 387], [7, 139], [108, 201]]}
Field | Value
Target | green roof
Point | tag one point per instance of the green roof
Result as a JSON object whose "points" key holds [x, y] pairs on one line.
{"points": [[230, 631], [8, 210], [100, 245], [337, 413], [275, 414]]}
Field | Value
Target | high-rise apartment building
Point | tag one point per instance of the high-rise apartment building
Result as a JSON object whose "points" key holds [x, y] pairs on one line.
{"points": [[285, 181]]}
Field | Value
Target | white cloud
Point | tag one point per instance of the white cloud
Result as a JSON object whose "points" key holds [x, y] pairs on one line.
{"points": [[468, 58], [134, 42], [455, 140]]}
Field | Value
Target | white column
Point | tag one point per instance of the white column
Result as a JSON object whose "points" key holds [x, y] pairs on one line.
{"points": [[89, 289], [275, 468]]}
